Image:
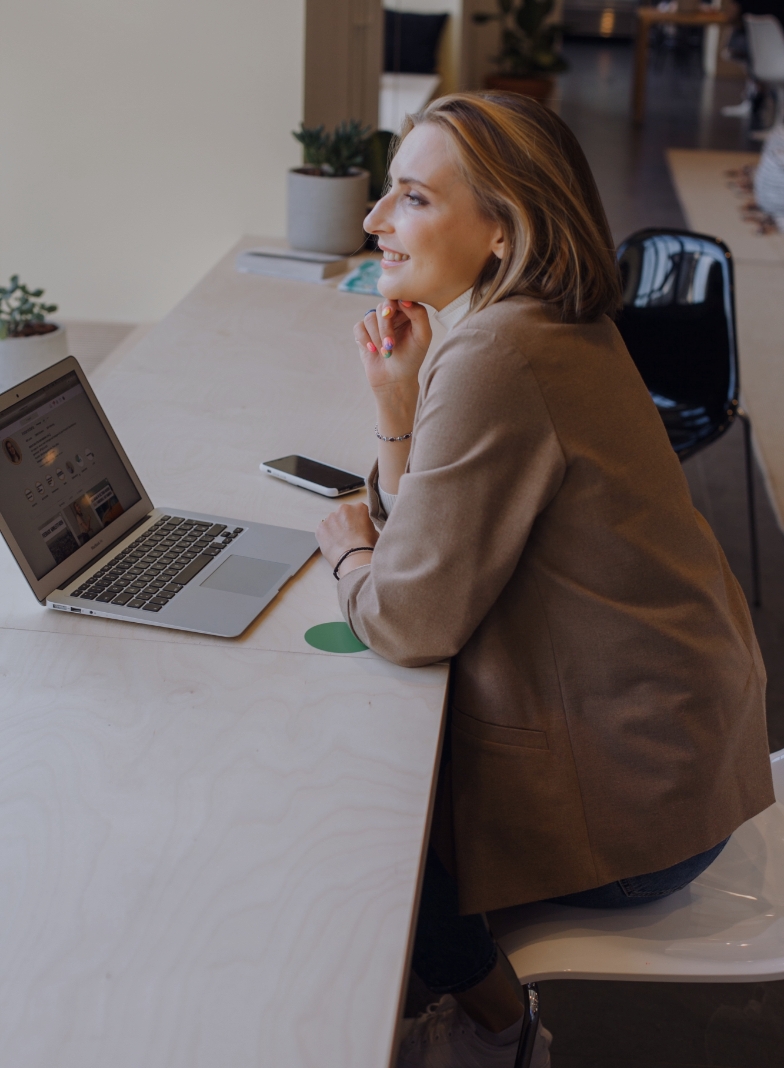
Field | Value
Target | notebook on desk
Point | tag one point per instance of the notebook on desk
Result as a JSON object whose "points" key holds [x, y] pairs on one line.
{"points": [[89, 540]]}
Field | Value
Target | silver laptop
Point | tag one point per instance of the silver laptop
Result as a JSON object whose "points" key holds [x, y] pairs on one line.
{"points": [[88, 539]]}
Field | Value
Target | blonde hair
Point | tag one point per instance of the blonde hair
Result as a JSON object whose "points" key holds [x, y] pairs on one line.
{"points": [[529, 174]]}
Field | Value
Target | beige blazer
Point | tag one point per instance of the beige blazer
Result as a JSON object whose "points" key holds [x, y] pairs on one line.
{"points": [[607, 702]]}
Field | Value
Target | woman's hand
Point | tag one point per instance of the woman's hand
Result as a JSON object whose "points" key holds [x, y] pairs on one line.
{"points": [[346, 528], [393, 341]]}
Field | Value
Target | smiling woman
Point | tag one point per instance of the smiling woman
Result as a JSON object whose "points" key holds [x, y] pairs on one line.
{"points": [[534, 205], [430, 218], [606, 723]]}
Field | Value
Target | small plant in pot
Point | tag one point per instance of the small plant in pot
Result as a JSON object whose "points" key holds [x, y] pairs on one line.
{"points": [[529, 55], [327, 198], [28, 343]]}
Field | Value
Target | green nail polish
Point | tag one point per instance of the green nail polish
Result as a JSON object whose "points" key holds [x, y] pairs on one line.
{"points": [[387, 355]]}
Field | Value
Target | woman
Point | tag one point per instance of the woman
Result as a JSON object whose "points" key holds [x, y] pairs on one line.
{"points": [[607, 697]]}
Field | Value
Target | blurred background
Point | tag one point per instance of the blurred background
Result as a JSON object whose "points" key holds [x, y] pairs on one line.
{"points": [[139, 141]]}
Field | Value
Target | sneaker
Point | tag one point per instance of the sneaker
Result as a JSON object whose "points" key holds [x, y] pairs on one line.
{"points": [[446, 1037]]}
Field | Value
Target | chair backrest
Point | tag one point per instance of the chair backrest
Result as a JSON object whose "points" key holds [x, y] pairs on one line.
{"points": [[765, 39], [678, 322]]}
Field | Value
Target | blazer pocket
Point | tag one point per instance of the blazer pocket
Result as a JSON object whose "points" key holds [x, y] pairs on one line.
{"points": [[489, 732]]}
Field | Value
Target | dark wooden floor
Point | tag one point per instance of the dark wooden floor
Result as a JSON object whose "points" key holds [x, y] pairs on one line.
{"points": [[689, 1025], [683, 111]]}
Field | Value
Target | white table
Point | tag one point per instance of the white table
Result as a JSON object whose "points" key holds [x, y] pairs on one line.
{"points": [[209, 849]]}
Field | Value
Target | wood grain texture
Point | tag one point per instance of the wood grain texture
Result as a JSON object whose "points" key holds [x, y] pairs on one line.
{"points": [[244, 369], [207, 856], [209, 849]]}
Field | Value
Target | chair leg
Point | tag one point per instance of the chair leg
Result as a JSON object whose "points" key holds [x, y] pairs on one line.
{"points": [[779, 113], [753, 541], [525, 1047]]}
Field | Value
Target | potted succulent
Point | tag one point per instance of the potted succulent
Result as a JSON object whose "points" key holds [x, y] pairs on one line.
{"points": [[28, 343], [529, 53], [327, 198]]}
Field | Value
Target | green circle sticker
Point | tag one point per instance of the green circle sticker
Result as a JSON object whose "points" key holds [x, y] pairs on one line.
{"points": [[334, 638]]}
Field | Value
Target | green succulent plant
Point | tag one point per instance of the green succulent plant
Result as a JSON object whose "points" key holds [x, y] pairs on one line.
{"points": [[529, 44], [20, 307], [334, 154]]}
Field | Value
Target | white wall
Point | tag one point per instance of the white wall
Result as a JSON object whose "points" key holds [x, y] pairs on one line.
{"points": [[139, 139]]}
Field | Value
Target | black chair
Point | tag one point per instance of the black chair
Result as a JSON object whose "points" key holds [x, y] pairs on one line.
{"points": [[678, 322]]}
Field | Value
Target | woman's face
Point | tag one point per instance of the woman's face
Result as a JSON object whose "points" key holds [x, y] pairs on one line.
{"points": [[434, 238]]}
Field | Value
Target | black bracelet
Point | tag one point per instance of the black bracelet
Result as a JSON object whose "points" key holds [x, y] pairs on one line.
{"points": [[348, 552]]}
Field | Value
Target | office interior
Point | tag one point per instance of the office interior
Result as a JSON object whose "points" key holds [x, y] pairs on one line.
{"points": [[142, 142]]}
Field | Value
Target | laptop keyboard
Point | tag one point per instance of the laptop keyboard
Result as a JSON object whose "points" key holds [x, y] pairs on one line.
{"points": [[157, 565]]}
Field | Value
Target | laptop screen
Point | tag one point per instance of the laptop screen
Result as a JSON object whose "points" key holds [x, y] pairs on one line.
{"points": [[62, 480]]}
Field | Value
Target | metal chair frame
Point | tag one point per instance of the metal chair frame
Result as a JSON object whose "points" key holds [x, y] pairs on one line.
{"points": [[525, 1047]]}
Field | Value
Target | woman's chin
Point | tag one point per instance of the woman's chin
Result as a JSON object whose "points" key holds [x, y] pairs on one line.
{"points": [[393, 288], [387, 287]]}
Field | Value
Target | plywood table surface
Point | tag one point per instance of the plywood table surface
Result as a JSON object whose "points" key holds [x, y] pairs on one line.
{"points": [[210, 849], [208, 856], [702, 182], [244, 369]]}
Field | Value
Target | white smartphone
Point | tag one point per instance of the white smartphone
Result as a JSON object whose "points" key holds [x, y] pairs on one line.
{"points": [[312, 475]]}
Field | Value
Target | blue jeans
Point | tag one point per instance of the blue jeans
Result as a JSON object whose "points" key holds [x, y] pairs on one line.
{"points": [[452, 953]]}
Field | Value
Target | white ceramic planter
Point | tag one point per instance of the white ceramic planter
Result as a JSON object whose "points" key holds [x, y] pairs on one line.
{"points": [[21, 357], [326, 214]]}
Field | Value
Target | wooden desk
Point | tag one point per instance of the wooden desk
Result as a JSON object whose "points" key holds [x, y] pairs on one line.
{"points": [[649, 16], [210, 849]]}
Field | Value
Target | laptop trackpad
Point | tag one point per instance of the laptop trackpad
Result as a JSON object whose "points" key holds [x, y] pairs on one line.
{"points": [[247, 575]]}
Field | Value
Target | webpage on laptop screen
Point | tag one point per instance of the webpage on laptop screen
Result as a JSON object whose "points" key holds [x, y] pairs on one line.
{"points": [[61, 479]]}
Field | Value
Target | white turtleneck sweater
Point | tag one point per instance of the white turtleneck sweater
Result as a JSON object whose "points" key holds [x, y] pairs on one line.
{"points": [[449, 316]]}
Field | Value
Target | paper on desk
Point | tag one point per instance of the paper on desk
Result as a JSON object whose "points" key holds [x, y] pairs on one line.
{"points": [[363, 279]]}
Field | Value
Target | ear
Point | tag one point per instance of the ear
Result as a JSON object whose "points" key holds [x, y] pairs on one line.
{"points": [[498, 243]]}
